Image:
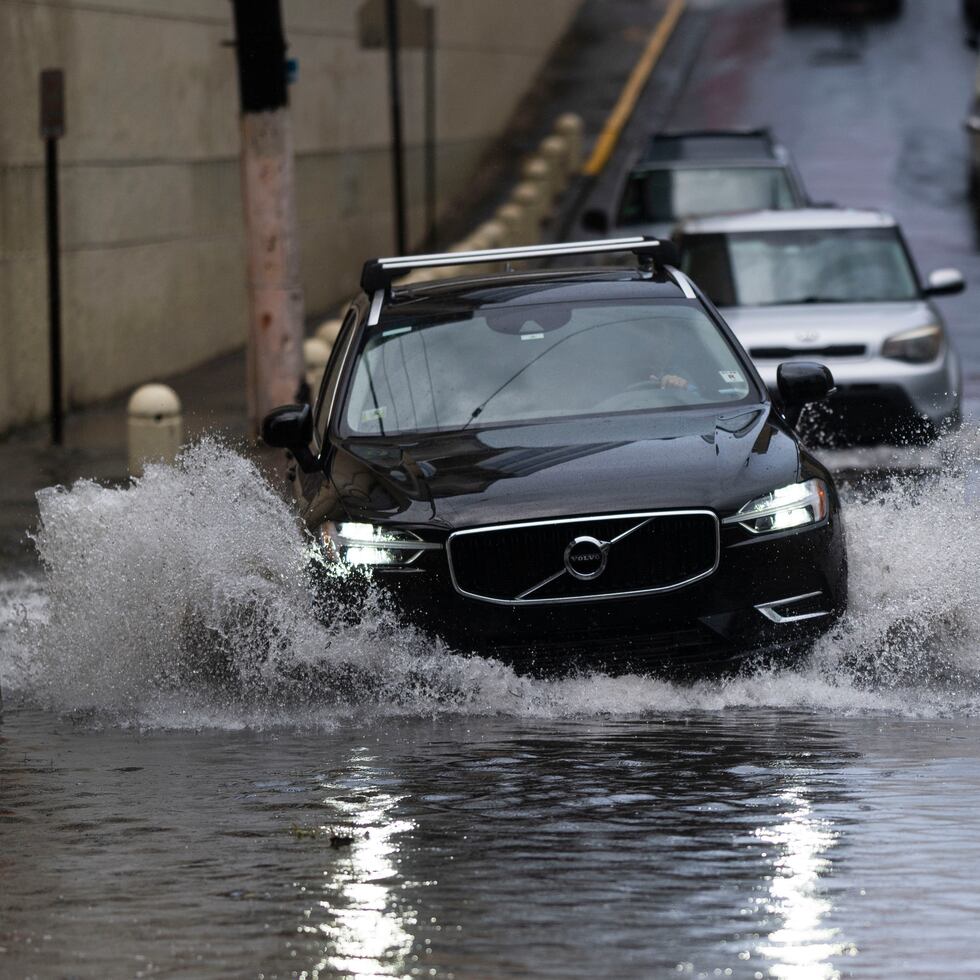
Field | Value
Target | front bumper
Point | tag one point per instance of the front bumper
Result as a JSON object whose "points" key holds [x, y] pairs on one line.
{"points": [[708, 623]]}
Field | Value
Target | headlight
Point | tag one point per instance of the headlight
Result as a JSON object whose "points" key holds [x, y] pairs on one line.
{"points": [[915, 346], [366, 544], [797, 505]]}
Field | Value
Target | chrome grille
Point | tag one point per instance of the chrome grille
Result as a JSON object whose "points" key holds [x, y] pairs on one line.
{"points": [[523, 564]]}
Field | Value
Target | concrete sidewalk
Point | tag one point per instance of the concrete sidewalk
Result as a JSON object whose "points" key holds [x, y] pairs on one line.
{"points": [[585, 74]]}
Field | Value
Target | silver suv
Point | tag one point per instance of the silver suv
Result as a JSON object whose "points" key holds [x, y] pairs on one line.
{"points": [[838, 286]]}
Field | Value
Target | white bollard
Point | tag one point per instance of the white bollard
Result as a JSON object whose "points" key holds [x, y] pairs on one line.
{"points": [[316, 353], [493, 233], [570, 125], [328, 330], [520, 224], [485, 236], [527, 195], [537, 171], [554, 151], [154, 427]]}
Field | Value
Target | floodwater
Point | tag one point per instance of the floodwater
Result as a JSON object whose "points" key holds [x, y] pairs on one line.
{"points": [[437, 815]]}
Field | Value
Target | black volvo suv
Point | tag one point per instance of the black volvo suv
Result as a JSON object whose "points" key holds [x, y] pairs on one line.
{"points": [[568, 467]]}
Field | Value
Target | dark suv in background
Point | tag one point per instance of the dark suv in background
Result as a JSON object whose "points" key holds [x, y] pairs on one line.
{"points": [[688, 174]]}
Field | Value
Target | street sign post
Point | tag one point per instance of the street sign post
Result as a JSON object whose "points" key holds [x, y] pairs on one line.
{"points": [[397, 24], [52, 128]]}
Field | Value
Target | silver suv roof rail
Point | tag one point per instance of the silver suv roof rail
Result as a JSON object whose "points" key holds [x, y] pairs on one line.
{"points": [[379, 273]]}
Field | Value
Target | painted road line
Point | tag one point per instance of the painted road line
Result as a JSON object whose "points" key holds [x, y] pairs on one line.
{"points": [[618, 118]]}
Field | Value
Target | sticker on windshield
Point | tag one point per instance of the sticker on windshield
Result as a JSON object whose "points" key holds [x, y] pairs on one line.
{"points": [[532, 336], [395, 331], [731, 377], [373, 414]]}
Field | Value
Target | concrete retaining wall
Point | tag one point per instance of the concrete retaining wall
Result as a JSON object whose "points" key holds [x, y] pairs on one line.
{"points": [[153, 266]]}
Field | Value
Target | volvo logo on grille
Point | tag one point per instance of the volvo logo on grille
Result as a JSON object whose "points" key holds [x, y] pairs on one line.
{"points": [[585, 558]]}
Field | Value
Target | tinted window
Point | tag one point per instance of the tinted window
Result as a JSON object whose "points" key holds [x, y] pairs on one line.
{"points": [[507, 364], [667, 195], [851, 265]]}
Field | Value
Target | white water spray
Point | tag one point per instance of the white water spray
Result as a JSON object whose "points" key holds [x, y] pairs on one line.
{"points": [[183, 600]]}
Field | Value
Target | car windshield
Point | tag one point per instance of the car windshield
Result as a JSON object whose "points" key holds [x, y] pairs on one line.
{"points": [[839, 265], [666, 195], [507, 364]]}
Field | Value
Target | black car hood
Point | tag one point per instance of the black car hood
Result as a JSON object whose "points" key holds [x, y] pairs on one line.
{"points": [[558, 469]]}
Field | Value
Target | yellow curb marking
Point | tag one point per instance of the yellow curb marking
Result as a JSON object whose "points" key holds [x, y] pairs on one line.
{"points": [[611, 131]]}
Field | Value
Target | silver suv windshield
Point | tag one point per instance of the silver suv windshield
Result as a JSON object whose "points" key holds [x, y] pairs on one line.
{"points": [[508, 364], [667, 195], [837, 265]]}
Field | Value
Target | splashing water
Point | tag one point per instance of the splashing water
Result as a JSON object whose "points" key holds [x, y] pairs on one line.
{"points": [[183, 600]]}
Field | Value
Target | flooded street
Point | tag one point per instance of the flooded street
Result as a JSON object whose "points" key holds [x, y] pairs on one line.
{"points": [[435, 815], [199, 777], [751, 842]]}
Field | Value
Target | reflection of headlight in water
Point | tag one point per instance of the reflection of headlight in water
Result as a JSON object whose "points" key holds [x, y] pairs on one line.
{"points": [[367, 544], [803, 945], [358, 917]]}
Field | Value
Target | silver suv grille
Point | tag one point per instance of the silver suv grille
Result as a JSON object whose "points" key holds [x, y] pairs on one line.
{"points": [[583, 559]]}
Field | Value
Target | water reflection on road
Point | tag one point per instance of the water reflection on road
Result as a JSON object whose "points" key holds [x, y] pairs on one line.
{"points": [[753, 843]]}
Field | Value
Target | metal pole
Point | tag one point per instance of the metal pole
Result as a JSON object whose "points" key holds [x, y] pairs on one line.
{"points": [[54, 286], [397, 151], [430, 126]]}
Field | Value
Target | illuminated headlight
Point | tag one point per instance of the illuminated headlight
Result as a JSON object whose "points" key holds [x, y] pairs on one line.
{"points": [[797, 505], [366, 544], [915, 346]]}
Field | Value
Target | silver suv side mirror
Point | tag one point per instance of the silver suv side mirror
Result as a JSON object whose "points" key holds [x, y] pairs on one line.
{"points": [[944, 282]]}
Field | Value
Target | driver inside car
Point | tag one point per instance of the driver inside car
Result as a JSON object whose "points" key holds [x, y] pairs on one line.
{"points": [[668, 369]]}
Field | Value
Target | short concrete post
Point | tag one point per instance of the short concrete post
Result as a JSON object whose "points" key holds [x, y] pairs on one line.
{"points": [[528, 196], [485, 236], [554, 151], [493, 233], [520, 229], [316, 353], [154, 427], [328, 330], [570, 125], [537, 171]]}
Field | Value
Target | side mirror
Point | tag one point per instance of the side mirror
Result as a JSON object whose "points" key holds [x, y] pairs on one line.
{"points": [[802, 382], [944, 282], [291, 427], [595, 220]]}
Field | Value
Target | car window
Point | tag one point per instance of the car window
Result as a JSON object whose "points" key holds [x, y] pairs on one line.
{"points": [[508, 364], [850, 265], [331, 378], [668, 195]]}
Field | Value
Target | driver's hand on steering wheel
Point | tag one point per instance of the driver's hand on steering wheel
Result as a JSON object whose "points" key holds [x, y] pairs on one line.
{"points": [[670, 380]]}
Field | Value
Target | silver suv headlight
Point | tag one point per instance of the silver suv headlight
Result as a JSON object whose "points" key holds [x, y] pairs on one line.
{"points": [[797, 505], [916, 346], [367, 544]]}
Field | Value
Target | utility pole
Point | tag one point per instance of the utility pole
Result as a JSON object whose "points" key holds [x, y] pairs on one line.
{"points": [[275, 336]]}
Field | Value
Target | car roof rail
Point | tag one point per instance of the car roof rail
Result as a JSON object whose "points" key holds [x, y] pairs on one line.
{"points": [[378, 274]]}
